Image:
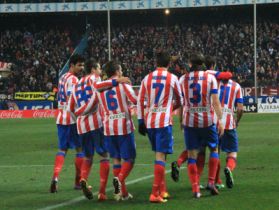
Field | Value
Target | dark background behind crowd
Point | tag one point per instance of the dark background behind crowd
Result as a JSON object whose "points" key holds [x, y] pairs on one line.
{"points": [[39, 45]]}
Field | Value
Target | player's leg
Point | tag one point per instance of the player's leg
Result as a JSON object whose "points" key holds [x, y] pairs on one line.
{"points": [[177, 164], [76, 142], [201, 163], [157, 140], [192, 144], [88, 149], [60, 156], [211, 134], [182, 158], [230, 146], [218, 181], [165, 145], [102, 150], [128, 155], [114, 152]]}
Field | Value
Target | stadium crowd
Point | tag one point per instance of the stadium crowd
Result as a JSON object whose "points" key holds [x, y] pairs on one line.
{"points": [[39, 55], [134, 46]]}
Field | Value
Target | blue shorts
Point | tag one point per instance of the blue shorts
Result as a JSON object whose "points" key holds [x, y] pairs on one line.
{"points": [[161, 139], [195, 138], [68, 137], [122, 146], [229, 141], [94, 140]]}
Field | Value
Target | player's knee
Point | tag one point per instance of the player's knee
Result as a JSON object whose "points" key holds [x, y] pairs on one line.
{"points": [[193, 154], [232, 154], [160, 156], [104, 155], [79, 149]]}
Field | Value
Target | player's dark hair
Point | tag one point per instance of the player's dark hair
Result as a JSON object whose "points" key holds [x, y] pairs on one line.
{"points": [[111, 67], [74, 59], [91, 63], [209, 61], [197, 61], [163, 59]]}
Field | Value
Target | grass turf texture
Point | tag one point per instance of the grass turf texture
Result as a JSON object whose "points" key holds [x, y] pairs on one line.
{"points": [[28, 147]]}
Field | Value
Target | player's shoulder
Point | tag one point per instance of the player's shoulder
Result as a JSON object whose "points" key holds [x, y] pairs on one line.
{"points": [[212, 72], [210, 76], [73, 78], [234, 83], [182, 78]]}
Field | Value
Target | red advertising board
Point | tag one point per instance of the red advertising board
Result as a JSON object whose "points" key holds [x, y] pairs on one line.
{"points": [[42, 113]]}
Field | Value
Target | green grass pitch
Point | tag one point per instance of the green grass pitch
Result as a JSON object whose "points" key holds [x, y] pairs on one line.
{"points": [[28, 148]]}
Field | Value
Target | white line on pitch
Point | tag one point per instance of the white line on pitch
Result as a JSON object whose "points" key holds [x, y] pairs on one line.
{"points": [[78, 199]]}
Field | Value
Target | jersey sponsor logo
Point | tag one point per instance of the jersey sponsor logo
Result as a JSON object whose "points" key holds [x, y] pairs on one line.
{"points": [[120, 115], [158, 109], [199, 109], [226, 110]]}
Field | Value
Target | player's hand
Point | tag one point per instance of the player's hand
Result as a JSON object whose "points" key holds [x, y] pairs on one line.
{"points": [[182, 127], [142, 129], [236, 124], [123, 80], [221, 129]]}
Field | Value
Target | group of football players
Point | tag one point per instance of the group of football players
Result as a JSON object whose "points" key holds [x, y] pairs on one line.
{"points": [[95, 115]]}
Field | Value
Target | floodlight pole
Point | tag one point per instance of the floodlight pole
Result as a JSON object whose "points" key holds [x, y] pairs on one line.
{"points": [[255, 50], [109, 35]]}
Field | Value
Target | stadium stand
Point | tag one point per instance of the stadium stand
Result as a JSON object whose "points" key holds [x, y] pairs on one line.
{"points": [[39, 53]]}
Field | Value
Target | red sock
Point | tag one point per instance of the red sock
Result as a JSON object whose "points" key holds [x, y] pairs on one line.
{"points": [[193, 174], [125, 170], [200, 163], [182, 158], [159, 170], [213, 165], [116, 170], [85, 168], [104, 173], [163, 185], [217, 178], [58, 164], [231, 163], [78, 164]]}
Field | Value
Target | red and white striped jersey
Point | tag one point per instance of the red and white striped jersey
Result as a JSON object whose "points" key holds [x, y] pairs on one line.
{"points": [[83, 103], [197, 88], [162, 91], [229, 94], [65, 87], [117, 115]]}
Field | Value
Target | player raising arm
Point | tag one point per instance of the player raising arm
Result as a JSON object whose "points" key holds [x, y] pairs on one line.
{"points": [[200, 94], [118, 129]]}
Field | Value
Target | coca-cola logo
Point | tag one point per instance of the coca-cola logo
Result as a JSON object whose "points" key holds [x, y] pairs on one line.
{"points": [[11, 114], [44, 114]]}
